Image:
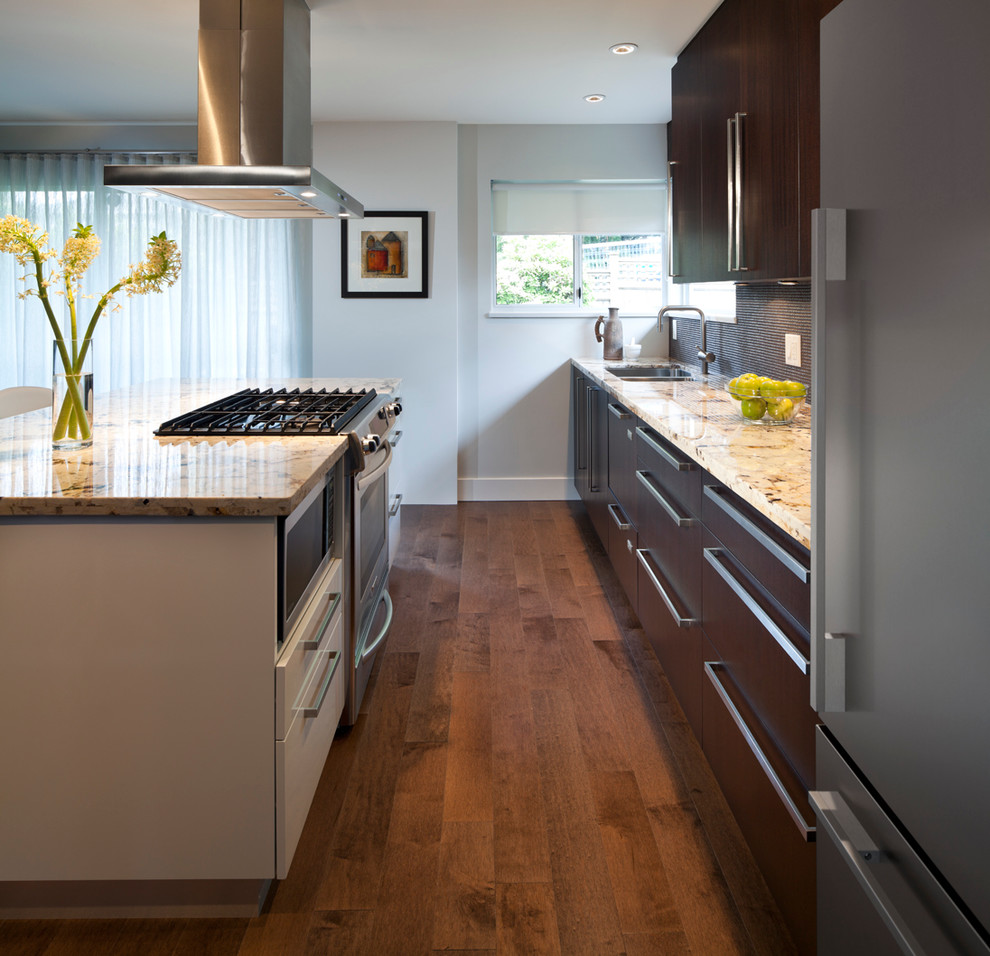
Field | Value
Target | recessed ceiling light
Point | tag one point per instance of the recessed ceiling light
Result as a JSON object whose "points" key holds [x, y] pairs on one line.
{"points": [[594, 97], [622, 48]]}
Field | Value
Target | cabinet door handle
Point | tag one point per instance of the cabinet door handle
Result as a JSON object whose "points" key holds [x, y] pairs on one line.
{"points": [[313, 710], [714, 557], [622, 522], [662, 452], [730, 189], [313, 643], [740, 238], [394, 510], [681, 620], [618, 411], [785, 558], [592, 477], [671, 163], [647, 481], [396, 435], [859, 851], [807, 832]]}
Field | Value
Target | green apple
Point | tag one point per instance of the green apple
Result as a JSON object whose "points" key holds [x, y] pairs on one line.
{"points": [[753, 408]]}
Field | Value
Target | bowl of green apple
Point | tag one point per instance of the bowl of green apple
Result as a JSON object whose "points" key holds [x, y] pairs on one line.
{"points": [[768, 401]]}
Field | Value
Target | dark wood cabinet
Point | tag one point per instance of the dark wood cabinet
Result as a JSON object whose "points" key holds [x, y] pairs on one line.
{"points": [[590, 410], [743, 139], [670, 547], [723, 595]]}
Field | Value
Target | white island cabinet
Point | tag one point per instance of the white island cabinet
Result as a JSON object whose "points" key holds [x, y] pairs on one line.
{"points": [[159, 749]]}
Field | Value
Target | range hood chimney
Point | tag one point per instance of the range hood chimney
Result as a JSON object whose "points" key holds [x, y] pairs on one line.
{"points": [[254, 127]]}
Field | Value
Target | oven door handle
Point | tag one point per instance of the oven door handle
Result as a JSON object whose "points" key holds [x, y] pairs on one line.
{"points": [[372, 476], [370, 649]]}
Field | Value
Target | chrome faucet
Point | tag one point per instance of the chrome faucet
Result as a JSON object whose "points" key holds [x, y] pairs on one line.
{"points": [[703, 352]]}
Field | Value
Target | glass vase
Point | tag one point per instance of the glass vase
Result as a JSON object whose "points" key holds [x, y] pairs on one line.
{"points": [[72, 395]]}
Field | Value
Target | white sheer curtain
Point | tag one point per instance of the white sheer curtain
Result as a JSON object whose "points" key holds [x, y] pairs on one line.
{"points": [[241, 306]]}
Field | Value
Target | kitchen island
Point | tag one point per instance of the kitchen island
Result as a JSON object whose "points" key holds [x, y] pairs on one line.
{"points": [[143, 769]]}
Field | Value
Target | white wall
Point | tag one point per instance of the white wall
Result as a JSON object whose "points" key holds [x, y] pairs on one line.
{"points": [[513, 397], [404, 167], [487, 400]]}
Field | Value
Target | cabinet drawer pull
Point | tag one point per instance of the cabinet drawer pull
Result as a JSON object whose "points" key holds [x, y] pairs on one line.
{"points": [[681, 619], [622, 522], [313, 643], [859, 851], [807, 832], [396, 503], [791, 563], [314, 709], [394, 439], [663, 453], [618, 411], [647, 481], [714, 557]]}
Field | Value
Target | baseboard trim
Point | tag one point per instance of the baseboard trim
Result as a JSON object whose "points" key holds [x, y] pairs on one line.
{"points": [[515, 489], [117, 899]]}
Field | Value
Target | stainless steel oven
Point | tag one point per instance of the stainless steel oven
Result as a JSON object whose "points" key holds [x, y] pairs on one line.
{"points": [[372, 605]]}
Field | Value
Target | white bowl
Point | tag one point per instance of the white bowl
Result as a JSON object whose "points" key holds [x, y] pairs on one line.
{"points": [[631, 352]]}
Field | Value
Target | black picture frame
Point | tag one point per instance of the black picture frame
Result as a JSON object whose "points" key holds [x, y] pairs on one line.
{"points": [[385, 256]]}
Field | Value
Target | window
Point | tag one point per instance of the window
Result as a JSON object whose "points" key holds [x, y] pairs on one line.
{"points": [[240, 308], [577, 247]]}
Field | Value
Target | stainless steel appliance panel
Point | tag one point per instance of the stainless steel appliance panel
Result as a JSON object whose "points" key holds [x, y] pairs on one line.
{"points": [[901, 608]]}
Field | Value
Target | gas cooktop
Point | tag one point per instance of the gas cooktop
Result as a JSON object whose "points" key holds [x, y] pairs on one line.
{"points": [[255, 411]]}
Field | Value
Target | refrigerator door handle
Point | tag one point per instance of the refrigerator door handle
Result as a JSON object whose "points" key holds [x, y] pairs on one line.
{"points": [[860, 852], [834, 587]]}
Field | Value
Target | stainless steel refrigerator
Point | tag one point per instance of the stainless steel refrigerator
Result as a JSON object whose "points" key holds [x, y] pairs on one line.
{"points": [[901, 479]]}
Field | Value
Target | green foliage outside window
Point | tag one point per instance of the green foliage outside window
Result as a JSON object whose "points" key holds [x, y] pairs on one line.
{"points": [[534, 269]]}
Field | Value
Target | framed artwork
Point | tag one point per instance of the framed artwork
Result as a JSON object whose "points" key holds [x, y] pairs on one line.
{"points": [[383, 256]]}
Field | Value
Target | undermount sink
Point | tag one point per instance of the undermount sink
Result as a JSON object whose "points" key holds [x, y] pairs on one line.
{"points": [[642, 373]]}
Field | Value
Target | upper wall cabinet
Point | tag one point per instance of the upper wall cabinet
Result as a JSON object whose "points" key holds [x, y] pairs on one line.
{"points": [[743, 143]]}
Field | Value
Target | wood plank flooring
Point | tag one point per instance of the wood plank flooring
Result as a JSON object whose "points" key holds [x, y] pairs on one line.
{"points": [[520, 781]]}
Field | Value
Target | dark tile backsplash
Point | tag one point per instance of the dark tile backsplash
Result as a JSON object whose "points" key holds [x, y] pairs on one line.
{"points": [[765, 311]]}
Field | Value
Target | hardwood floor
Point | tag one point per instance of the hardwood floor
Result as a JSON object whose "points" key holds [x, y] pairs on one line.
{"points": [[520, 781]]}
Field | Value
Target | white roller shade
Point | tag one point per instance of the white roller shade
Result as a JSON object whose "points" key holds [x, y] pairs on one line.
{"points": [[591, 209]]}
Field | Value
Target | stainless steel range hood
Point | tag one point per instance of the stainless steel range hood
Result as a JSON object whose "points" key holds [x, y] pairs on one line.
{"points": [[255, 136]]}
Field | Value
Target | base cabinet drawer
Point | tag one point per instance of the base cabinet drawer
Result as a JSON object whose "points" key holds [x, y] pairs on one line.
{"points": [[781, 564], [674, 634], [623, 541], [300, 757], [765, 653], [767, 800]]}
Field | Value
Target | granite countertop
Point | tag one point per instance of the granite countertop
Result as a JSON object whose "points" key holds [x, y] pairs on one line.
{"points": [[130, 471], [768, 466]]}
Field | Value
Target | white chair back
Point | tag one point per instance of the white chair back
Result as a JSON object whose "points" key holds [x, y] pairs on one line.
{"points": [[25, 398]]}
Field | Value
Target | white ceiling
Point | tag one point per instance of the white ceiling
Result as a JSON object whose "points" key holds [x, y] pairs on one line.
{"points": [[469, 61]]}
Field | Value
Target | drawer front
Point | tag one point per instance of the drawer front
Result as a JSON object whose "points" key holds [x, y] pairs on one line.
{"points": [[300, 757], [622, 544], [765, 655], [679, 476], [767, 801], [776, 560], [673, 536], [674, 634], [311, 635], [622, 457]]}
